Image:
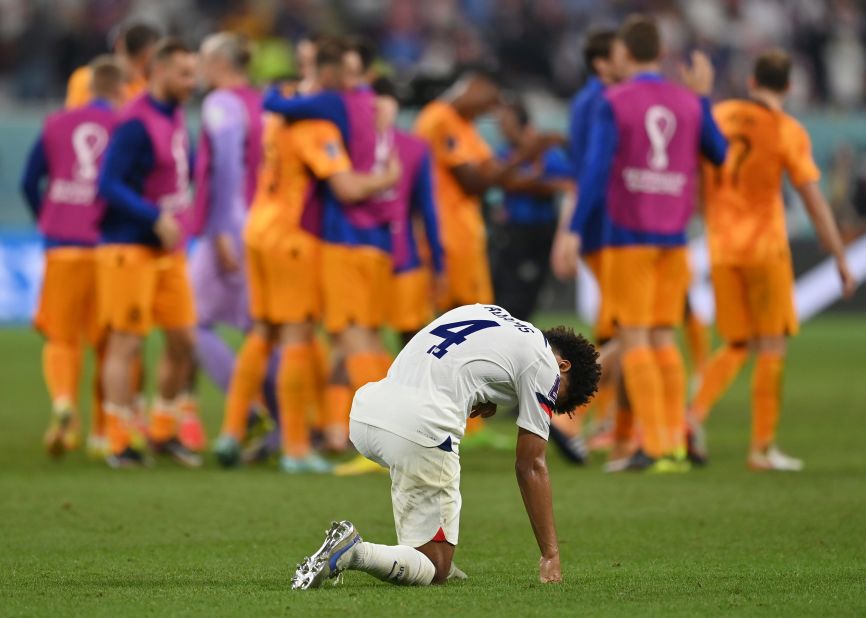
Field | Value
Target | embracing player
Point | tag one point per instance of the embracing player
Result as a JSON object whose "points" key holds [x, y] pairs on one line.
{"points": [[464, 364]]}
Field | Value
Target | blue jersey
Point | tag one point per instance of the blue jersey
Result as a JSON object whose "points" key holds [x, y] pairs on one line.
{"points": [[595, 175]]}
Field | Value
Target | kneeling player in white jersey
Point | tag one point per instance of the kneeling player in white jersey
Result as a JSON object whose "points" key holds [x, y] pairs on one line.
{"points": [[463, 364]]}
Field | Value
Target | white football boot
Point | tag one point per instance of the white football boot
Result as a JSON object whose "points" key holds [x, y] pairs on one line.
{"points": [[326, 563], [774, 459]]}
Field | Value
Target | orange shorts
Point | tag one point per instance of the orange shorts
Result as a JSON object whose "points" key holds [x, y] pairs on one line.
{"points": [[68, 302], [356, 282], [755, 300], [284, 283], [141, 287], [467, 277], [411, 306], [604, 327], [647, 285]]}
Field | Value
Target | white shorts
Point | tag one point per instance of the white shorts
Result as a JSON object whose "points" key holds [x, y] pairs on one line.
{"points": [[425, 484]]}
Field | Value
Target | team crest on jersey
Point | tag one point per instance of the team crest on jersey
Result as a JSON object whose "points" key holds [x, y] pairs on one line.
{"points": [[331, 150]]}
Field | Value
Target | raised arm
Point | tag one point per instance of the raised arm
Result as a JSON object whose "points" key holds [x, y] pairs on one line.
{"points": [[534, 483], [699, 79]]}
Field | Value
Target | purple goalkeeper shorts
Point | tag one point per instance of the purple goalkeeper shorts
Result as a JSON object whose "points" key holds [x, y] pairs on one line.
{"points": [[220, 298]]}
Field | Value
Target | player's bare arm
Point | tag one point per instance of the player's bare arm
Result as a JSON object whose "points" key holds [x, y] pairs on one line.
{"points": [[351, 187], [828, 232], [534, 483], [566, 244], [535, 185], [476, 179]]}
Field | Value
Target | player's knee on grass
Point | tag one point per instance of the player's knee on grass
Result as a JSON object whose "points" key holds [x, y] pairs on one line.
{"points": [[440, 553]]}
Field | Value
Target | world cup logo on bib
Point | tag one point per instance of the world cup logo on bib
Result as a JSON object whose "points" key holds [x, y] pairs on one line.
{"points": [[88, 141], [660, 124]]}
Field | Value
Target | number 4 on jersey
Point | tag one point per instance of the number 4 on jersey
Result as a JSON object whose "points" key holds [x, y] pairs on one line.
{"points": [[455, 333]]}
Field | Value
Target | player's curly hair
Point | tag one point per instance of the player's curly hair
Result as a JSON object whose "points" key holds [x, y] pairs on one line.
{"points": [[585, 369]]}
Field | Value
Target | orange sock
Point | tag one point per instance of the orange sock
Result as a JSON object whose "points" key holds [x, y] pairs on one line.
{"points": [[59, 365], [643, 382], [623, 422], [296, 381], [323, 369], [698, 341], [163, 420], [366, 367], [673, 372], [118, 427], [717, 377], [766, 398], [338, 404], [246, 384]]}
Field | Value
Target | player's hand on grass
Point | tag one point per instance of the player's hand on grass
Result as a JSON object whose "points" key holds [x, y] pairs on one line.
{"points": [[226, 254], [167, 229], [700, 75], [849, 283], [549, 570], [563, 255]]}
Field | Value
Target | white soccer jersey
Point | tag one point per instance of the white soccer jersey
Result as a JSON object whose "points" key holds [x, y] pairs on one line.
{"points": [[471, 355]]}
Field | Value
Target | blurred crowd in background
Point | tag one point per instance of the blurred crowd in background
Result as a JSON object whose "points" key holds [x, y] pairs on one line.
{"points": [[537, 43]]}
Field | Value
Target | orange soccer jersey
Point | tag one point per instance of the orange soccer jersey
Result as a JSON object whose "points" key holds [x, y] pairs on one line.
{"points": [[749, 251], [283, 260], [78, 88], [454, 141], [744, 210]]}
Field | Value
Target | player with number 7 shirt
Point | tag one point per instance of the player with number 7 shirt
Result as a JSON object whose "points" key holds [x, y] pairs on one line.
{"points": [[464, 364]]}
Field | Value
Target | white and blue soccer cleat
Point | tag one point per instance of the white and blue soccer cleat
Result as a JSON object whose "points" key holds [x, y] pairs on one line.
{"points": [[340, 539]]}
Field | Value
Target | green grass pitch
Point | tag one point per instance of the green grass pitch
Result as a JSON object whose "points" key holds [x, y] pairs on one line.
{"points": [[78, 539]]}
